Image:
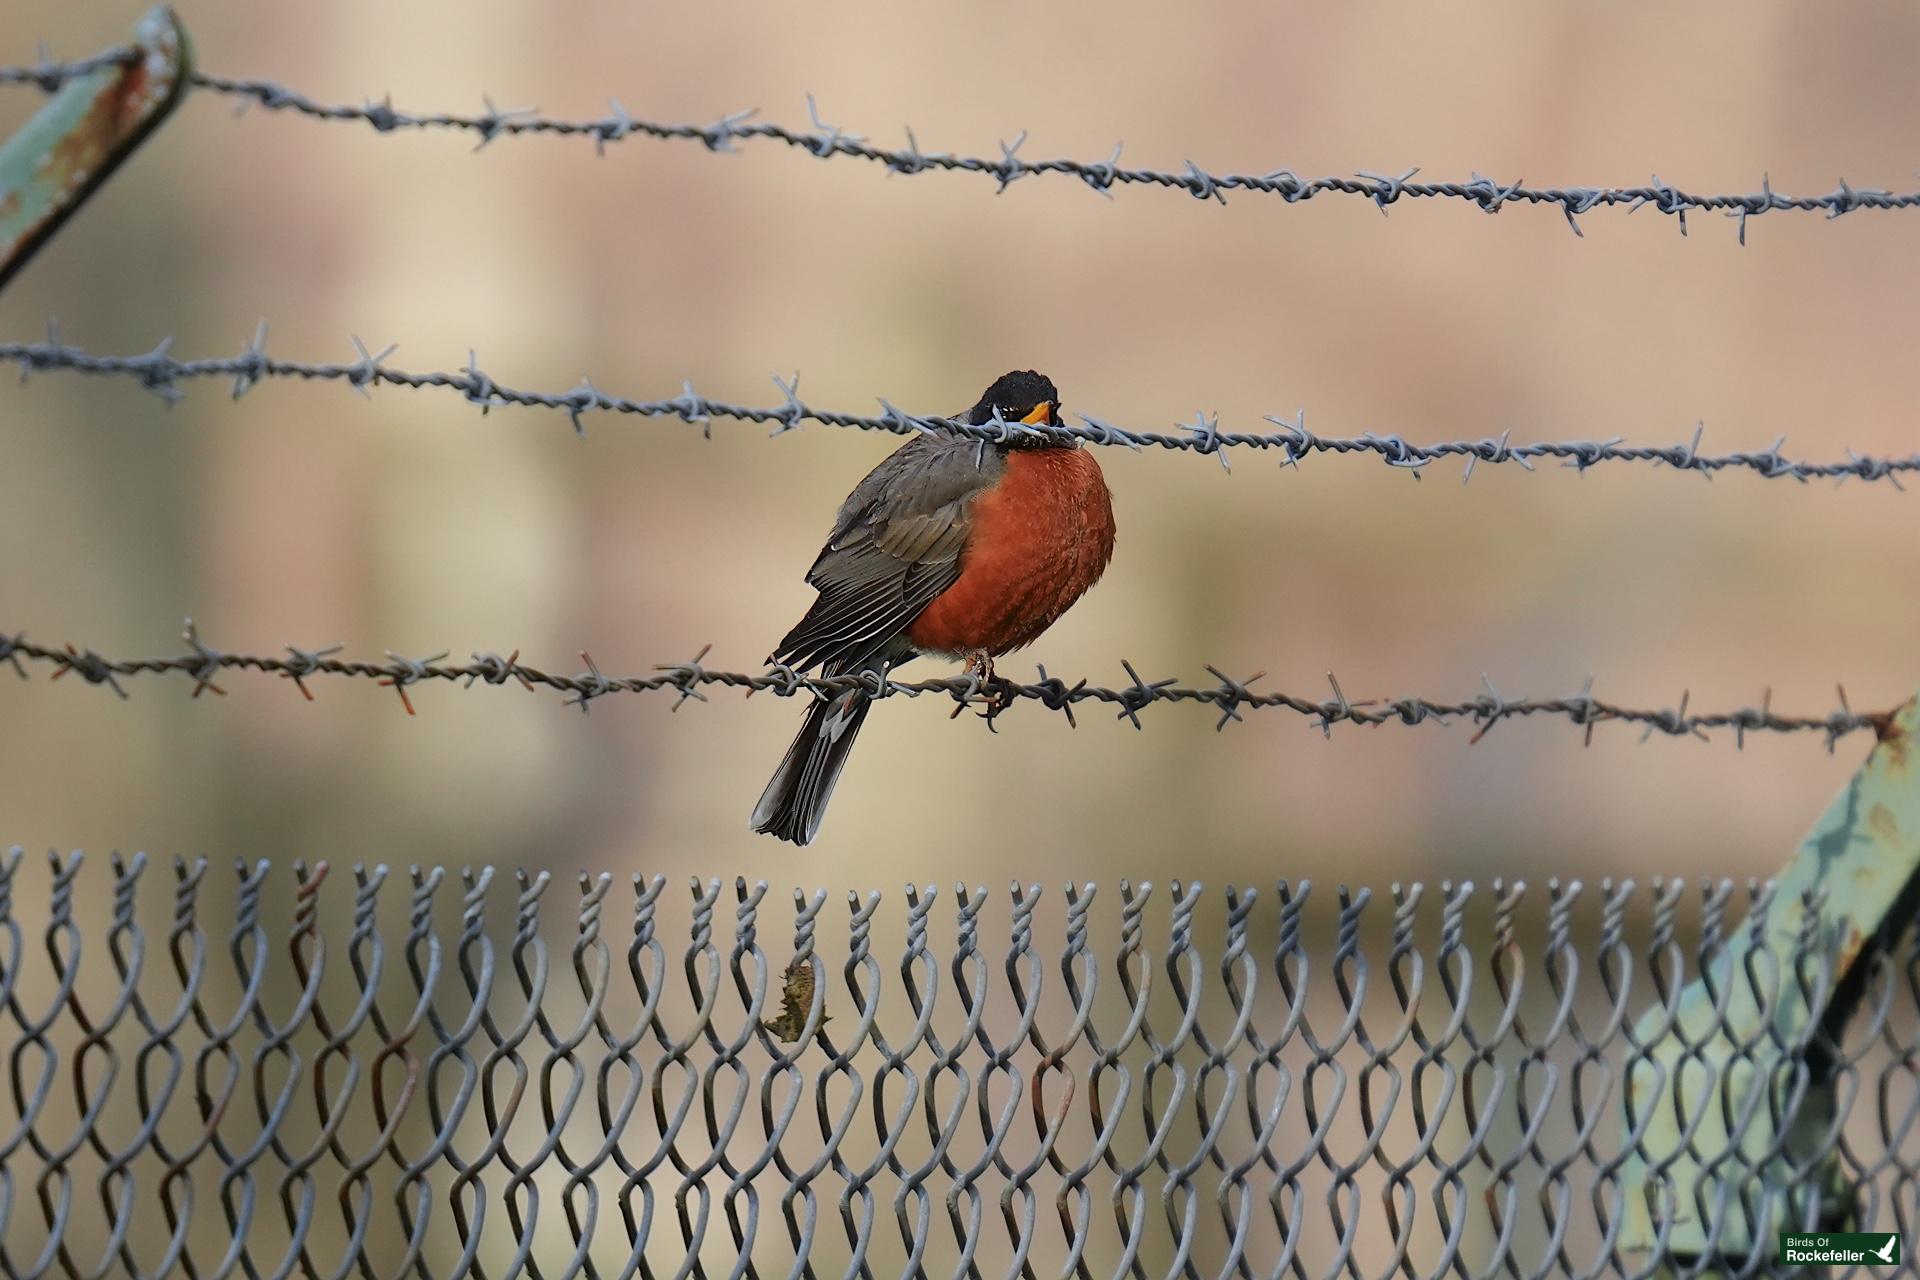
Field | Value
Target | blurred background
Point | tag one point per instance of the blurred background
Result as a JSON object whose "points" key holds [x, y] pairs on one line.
{"points": [[411, 522]]}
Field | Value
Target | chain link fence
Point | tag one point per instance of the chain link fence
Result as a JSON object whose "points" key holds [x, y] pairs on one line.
{"points": [[295, 1072]]}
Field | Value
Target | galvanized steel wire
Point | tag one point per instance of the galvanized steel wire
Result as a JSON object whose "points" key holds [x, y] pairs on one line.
{"points": [[452, 1072], [202, 663], [825, 142], [161, 372]]}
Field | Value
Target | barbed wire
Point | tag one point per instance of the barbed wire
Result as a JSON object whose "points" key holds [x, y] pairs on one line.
{"points": [[825, 142], [49, 76], [203, 663], [161, 373]]}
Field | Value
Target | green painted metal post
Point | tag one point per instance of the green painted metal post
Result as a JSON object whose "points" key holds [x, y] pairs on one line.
{"points": [[1727, 1101], [71, 146]]}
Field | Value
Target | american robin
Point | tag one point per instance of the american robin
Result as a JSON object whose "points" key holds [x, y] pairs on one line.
{"points": [[952, 547]]}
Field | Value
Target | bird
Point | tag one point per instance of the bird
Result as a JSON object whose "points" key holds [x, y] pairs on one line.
{"points": [[955, 547]]}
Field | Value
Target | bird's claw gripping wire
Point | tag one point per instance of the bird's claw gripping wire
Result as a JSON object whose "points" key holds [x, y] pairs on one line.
{"points": [[991, 693]]}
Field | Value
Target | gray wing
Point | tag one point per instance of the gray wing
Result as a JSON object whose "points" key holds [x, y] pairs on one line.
{"points": [[895, 547]]}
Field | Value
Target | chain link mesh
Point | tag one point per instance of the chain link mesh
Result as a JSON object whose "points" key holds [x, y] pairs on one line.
{"points": [[451, 1073]]}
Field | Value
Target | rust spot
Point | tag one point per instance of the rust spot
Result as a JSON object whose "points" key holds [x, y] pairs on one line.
{"points": [[1893, 742], [84, 149], [1882, 823], [1850, 949]]}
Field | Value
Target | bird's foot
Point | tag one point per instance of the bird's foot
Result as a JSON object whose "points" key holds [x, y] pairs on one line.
{"points": [[990, 692]]}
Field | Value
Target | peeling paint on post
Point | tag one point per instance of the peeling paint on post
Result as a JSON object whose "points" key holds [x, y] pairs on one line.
{"points": [[1729, 1091], [75, 142]]}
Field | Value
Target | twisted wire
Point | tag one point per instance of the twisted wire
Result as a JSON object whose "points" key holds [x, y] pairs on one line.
{"points": [[161, 373], [690, 679], [825, 141]]}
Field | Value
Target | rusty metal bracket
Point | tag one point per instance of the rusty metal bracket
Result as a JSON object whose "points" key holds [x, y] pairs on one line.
{"points": [[75, 142], [1730, 1100]]}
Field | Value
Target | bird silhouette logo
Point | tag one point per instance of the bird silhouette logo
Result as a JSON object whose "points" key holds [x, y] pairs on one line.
{"points": [[1885, 1253]]}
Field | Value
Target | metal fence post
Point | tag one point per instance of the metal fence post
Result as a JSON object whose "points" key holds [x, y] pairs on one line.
{"points": [[1729, 1101], [75, 142]]}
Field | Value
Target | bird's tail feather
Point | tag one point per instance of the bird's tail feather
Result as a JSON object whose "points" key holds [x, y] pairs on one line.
{"points": [[796, 798]]}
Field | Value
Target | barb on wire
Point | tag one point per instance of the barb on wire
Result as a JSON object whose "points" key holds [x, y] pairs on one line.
{"points": [[162, 373], [689, 679], [825, 142]]}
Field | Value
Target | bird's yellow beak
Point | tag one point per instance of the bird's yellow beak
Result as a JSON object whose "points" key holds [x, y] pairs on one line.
{"points": [[1042, 415]]}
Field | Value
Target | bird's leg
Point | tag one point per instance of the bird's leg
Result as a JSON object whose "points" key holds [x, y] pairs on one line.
{"points": [[979, 670], [980, 663]]}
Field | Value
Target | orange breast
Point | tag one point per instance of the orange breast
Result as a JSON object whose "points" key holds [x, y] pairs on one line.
{"points": [[1040, 538]]}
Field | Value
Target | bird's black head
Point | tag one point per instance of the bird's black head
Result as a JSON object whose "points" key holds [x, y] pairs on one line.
{"points": [[1024, 396]]}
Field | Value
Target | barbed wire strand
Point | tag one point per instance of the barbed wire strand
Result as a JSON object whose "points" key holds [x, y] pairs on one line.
{"points": [[203, 663], [825, 141], [161, 373]]}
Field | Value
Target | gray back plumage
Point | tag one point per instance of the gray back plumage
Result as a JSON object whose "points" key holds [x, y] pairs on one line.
{"points": [[894, 548]]}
